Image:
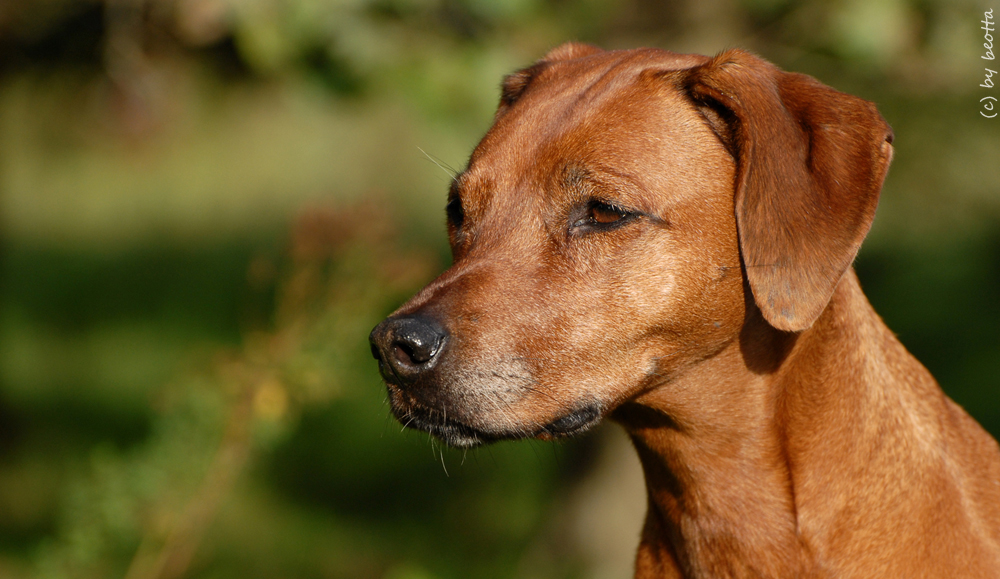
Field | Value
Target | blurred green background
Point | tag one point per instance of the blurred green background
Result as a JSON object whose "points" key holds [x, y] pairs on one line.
{"points": [[205, 205]]}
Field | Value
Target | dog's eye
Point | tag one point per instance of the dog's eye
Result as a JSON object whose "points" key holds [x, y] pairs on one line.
{"points": [[604, 214], [600, 215], [456, 215]]}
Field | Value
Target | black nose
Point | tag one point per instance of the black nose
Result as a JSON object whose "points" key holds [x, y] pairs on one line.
{"points": [[407, 346]]}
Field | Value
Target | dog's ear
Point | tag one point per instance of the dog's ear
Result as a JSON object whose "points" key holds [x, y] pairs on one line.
{"points": [[514, 84], [810, 165], [571, 50]]}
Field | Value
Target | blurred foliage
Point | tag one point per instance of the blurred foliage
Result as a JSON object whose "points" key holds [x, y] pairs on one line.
{"points": [[205, 205]]}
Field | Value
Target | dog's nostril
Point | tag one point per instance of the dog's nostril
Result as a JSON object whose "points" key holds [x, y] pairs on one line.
{"points": [[404, 355], [407, 346], [417, 348]]}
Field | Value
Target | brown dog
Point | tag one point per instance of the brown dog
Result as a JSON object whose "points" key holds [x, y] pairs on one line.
{"points": [[667, 240]]}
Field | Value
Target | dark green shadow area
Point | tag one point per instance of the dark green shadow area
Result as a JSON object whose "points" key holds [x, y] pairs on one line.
{"points": [[87, 340]]}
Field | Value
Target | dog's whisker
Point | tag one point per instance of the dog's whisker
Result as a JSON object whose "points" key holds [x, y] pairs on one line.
{"points": [[445, 467], [386, 422], [452, 173]]}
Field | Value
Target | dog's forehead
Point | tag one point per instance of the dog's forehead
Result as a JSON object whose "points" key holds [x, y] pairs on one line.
{"points": [[580, 115], [559, 94], [602, 72]]}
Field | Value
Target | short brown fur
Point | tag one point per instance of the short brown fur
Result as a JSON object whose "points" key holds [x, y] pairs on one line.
{"points": [[666, 240]]}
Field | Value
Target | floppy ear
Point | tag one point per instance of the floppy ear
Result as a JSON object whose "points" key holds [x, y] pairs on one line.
{"points": [[810, 165], [514, 84]]}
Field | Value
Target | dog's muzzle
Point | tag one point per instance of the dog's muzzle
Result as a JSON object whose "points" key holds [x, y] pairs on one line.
{"points": [[409, 350]]}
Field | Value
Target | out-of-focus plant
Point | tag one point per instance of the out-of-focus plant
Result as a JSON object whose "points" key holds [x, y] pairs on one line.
{"points": [[142, 513]]}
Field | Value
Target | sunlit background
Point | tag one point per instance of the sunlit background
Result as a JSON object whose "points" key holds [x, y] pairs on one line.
{"points": [[205, 205]]}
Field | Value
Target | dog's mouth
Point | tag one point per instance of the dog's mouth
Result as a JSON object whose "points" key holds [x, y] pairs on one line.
{"points": [[453, 432]]}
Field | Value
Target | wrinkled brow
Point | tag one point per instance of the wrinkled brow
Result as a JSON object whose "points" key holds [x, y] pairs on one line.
{"points": [[583, 182]]}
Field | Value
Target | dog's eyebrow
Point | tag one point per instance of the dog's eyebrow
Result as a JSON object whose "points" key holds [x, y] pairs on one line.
{"points": [[609, 184], [574, 176]]}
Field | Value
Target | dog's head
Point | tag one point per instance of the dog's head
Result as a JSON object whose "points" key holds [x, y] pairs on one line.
{"points": [[608, 225]]}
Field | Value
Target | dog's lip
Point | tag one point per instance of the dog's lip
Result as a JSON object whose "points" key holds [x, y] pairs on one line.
{"points": [[575, 422], [451, 431], [413, 414]]}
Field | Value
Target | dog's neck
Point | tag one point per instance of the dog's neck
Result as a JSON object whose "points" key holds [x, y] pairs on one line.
{"points": [[746, 463]]}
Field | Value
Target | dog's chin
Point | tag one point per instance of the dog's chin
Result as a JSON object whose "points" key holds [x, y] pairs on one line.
{"points": [[449, 431], [459, 434]]}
